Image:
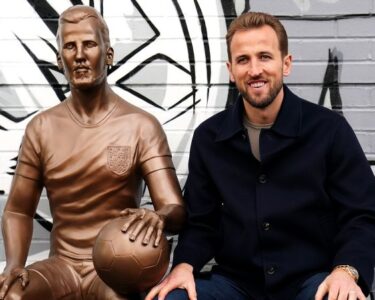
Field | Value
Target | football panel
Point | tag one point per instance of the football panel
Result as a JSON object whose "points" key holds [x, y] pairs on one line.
{"points": [[103, 255]]}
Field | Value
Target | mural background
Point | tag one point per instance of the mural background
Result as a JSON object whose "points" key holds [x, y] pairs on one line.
{"points": [[170, 60]]}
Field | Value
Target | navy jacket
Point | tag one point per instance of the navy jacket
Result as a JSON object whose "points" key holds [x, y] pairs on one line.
{"points": [[307, 206]]}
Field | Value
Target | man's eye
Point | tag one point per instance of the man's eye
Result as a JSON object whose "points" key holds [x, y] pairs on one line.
{"points": [[90, 44], [242, 60], [265, 57], [68, 46]]}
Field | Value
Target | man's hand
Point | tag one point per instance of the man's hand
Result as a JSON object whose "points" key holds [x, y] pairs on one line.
{"points": [[139, 218], [181, 277], [339, 285], [7, 278]]}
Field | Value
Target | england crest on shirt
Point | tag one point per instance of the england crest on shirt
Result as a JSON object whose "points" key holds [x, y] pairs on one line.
{"points": [[118, 159]]}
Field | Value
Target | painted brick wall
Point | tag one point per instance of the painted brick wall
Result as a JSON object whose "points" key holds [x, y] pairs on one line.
{"points": [[170, 60]]}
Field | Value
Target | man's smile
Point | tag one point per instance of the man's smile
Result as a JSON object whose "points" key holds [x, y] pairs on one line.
{"points": [[257, 83]]}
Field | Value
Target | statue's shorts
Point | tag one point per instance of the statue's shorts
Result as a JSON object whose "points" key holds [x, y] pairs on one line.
{"points": [[70, 279]]}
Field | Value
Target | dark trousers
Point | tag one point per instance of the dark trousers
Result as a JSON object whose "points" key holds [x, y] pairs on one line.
{"points": [[217, 287], [310, 286]]}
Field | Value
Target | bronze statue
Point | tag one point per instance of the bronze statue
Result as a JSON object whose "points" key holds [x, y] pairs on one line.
{"points": [[90, 153]]}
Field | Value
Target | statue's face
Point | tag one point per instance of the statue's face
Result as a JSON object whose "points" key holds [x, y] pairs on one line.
{"points": [[83, 55]]}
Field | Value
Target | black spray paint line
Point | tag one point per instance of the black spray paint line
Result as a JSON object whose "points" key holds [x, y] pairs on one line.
{"points": [[120, 83], [15, 159], [320, 18], [13, 118], [190, 49], [43, 222], [331, 83], [229, 14], [206, 46], [145, 44], [46, 13], [45, 68], [183, 112]]}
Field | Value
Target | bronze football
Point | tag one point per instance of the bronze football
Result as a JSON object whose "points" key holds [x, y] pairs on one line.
{"points": [[127, 266]]}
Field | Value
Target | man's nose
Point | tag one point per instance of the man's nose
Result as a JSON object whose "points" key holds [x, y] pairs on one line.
{"points": [[255, 69]]}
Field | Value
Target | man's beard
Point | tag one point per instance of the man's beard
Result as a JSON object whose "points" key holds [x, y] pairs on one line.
{"points": [[265, 102]]}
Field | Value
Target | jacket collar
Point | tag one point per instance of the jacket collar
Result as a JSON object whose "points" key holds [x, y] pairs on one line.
{"points": [[287, 123]]}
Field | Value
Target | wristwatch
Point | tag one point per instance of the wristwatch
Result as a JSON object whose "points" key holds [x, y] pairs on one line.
{"points": [[349, 270]]}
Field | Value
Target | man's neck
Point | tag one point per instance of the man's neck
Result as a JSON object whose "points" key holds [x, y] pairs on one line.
{"points": [[265, 115]]}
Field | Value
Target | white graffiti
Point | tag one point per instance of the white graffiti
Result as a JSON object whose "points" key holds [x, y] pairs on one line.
{"points": [[305, 5]]}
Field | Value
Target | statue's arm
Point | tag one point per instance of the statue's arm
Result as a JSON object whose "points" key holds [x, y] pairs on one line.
{"points": [[166, 197], [17, 219]]}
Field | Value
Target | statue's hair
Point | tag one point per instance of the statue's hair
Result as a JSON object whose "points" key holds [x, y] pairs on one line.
{"points": [[77, 13]]}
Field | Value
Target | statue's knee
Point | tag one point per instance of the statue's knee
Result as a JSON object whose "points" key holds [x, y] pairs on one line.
{"points": [[37, 289], [15, 293], [28, 294]]}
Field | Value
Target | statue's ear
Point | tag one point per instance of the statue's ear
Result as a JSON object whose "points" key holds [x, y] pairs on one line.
{"points": [[59, 62], [109, 56]]}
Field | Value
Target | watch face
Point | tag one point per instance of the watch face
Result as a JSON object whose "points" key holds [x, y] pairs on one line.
{"points": [[354, 272]]}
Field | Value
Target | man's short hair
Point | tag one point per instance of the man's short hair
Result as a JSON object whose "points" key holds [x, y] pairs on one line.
{"points": [[252, 20], [77, 13]]}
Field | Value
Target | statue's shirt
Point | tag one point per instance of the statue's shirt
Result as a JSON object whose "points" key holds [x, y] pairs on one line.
{"points": [[90, 172]]}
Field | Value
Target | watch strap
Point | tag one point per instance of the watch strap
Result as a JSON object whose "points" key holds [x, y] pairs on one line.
{"points": [[351, 271]]}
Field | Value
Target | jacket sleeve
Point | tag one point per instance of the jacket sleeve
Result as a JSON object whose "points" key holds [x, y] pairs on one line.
{"points": [[351, 185], [197, 243]]}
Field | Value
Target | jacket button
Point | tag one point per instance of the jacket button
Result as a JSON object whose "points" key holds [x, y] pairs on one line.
{"points": [[262, 178], [266, 226], [271, 271]]}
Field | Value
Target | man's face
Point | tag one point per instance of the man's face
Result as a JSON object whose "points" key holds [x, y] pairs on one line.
{"points": [[257, 66], [83, 54]]}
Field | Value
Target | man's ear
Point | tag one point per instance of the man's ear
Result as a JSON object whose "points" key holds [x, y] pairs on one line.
{"points": [[109, 56], [287, 65], [59, 62], [229, 67]]}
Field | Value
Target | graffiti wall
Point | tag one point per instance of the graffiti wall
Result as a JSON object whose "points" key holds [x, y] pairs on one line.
{"points": [[170, 60]]}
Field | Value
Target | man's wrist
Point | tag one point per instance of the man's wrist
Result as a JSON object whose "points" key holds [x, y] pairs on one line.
{"points": [[351, 271], [186, 266]]}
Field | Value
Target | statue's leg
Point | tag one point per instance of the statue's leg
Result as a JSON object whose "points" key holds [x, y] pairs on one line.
{"points": [[98, 290], [50, 279], [38, 288]]}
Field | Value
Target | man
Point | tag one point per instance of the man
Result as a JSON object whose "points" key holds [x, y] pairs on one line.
{"points": [[279, 191], [91, 153]]}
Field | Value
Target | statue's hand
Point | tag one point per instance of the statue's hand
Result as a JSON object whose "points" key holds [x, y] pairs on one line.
{"points": [[139, 218], [8, 277]]}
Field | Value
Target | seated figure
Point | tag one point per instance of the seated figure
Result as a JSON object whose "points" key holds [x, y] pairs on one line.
{"points": [[91, 153], [279, 191]]}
